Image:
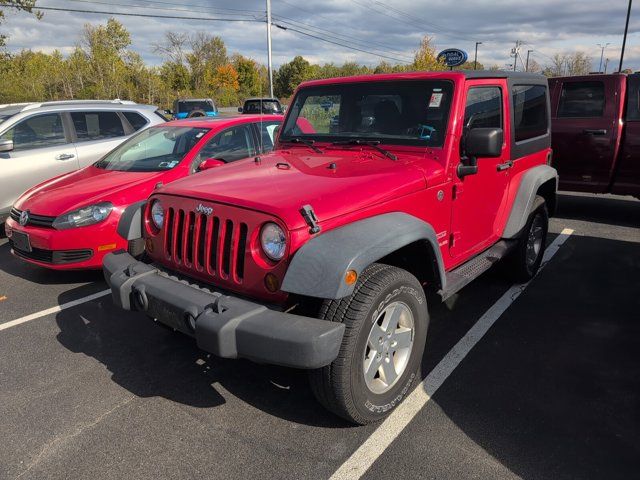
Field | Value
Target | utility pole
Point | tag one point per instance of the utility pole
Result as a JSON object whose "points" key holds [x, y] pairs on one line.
{"points": [[526, 68], [475, 59], [602, 47], [269, 67], [515, 53], [624, 39]]}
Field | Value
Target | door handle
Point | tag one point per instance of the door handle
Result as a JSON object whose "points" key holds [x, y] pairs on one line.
{"points": [[599, 132], [65, 156], [505, 166]]}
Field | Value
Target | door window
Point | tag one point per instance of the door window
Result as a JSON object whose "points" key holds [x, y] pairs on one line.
{"points": [[267, 135], [37, 132], [483, 108], [581, 100], [97, 125], [529, 111], [230, 145]]}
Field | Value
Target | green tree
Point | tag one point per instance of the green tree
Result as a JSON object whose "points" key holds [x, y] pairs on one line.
{"points": [[426, 58], [290, 75], [208, 52], [249, 84]]}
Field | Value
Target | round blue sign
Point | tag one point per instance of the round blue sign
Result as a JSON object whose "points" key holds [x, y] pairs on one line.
{"points": [[453, 57]]}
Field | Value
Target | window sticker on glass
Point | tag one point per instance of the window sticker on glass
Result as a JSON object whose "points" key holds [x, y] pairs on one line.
{"points": [[199, 135], [436, 100]]}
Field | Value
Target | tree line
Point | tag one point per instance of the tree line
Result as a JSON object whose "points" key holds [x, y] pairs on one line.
{"points": [[103, 66]]}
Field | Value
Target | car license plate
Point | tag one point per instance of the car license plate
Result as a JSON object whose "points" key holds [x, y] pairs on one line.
{"points": [[21, 241]]}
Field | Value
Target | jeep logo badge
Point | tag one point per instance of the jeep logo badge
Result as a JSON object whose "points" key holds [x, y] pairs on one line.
{"points": [[202, 209], [24, 217]]}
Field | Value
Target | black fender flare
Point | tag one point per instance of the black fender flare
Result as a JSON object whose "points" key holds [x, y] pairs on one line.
{"points": [[130, 223], [319, 267], [525, 200]]}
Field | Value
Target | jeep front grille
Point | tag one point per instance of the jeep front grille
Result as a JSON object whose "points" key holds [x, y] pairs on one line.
{"points": [[208, 244]]}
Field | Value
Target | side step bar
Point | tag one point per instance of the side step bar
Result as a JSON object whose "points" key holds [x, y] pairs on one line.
{"points": [[461, 276]]}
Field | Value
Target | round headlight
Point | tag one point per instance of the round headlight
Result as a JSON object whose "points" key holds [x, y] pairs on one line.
{"points": [[273, 241], [157, 214]]}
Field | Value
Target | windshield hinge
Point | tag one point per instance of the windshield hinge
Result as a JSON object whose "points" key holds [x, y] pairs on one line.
{"points": [[310, 218]]}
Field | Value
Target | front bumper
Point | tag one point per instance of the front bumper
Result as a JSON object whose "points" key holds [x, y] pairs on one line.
{"points": [[226, 326]]}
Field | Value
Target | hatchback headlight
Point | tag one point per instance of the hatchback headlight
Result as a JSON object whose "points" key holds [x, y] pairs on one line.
{"points": [[83, 216], [157, 214], [273, 241]]}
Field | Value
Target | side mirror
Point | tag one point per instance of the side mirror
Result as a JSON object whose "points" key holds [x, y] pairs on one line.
{"points": [[479, 143], [6, 145], [483, 142], [239, 109], [210, 163]]}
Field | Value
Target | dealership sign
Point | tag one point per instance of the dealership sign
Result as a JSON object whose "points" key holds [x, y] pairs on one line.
{"points": [[453, 57]]}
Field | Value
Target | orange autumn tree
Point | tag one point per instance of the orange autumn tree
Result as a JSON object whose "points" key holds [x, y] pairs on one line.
{"points": [[223, 80]]}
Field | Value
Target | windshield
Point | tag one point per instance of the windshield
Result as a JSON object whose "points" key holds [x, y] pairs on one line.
{"points": [[191, 105], [268, 106], [392, 112], [153, 150]]}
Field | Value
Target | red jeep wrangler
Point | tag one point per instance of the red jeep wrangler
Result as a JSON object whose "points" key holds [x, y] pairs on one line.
{"points": [[317, 256]]}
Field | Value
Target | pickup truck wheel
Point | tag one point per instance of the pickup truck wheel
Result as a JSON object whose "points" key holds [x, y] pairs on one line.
{"points": [[527, 256], [386, 322]]}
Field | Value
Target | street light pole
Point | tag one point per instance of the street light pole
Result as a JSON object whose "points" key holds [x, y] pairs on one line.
{"points": [[624, 39], [269, 48], [475, 58], [526, 68], [602, 47]]}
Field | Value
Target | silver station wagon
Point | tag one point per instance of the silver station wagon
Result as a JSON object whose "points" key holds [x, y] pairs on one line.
{"points": [[39, 141]]}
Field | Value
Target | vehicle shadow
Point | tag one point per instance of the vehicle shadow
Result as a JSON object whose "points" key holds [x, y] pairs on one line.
{"points": [[552, 390], [152, 361], [620, 211], [40, 275]]}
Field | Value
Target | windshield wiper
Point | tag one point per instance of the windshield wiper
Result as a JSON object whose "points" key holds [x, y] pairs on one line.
{"points": [[375, 144], [304, 141]]}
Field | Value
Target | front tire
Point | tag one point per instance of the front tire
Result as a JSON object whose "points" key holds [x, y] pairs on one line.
{"points": [[386, 322]]}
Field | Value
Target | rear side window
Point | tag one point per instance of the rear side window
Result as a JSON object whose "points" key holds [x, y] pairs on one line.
{"points": [[581, 100], [40, 131], [633, 97], [484, 108], [97, 125], [529, 111], [136, 120]]}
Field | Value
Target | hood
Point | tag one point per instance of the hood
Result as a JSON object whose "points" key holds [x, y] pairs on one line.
{"points": [[334, 183], [88, 186]]}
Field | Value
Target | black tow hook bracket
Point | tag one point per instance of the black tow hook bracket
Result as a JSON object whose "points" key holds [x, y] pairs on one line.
{"points": [[310, 218]]}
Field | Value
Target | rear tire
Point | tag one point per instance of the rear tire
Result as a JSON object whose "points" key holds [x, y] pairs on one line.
{"points": [[196, 113], [524, 262], [386, 322]]}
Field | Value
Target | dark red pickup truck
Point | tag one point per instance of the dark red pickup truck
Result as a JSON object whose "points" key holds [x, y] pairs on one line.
{"points": [[596, 133]]}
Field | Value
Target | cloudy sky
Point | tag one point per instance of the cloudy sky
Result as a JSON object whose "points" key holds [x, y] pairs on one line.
{"points": [[368, 31]]}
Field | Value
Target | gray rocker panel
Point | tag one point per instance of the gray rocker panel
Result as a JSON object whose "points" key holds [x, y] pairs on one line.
{"points": [[318, 268], [525, 198], [130, 224]]}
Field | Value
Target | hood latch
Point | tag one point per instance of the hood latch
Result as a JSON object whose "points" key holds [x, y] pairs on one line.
{"points": [[310, 218]]}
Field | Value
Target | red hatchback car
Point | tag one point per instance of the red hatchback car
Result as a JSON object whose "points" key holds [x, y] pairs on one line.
{"points": [[71, 221]]}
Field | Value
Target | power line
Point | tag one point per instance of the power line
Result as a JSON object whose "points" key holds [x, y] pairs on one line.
{"points": [[347, 38], [157, 8], [333, 20], [338, 43], [129, 14]]}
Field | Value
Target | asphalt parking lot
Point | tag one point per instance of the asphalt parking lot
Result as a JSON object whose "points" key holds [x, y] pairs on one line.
{"points": [[552, 390]]}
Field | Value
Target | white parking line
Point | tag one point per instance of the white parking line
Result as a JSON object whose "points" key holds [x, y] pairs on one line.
{"points": [[49, 311], [362, 459]]}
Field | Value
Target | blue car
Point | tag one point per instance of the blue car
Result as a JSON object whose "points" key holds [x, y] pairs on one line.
{"points": [[194, 107]]}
